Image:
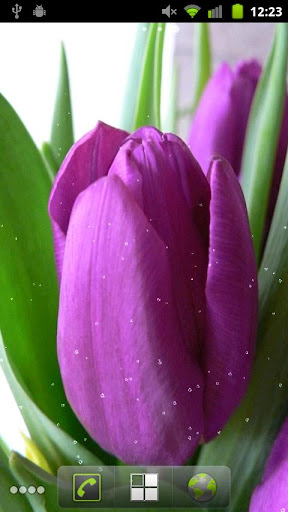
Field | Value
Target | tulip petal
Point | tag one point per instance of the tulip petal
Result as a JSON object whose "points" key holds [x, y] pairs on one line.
{"points": [[174, 194], [231, 299], [220, 121], [128, 373], [88, 160], [272, 493]]}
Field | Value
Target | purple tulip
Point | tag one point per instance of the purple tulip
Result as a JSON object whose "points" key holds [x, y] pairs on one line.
{"points": [[220, 121], [272, 493], [158, 299]]}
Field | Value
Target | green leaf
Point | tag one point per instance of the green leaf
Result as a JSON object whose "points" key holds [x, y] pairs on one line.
{"points": [[49, 160], [133, 80], [274, 264], [9, 501], [158, 72], [263, 134], [56, 445], [147, 111], [202, 61], [4, 451], [62, 128], [244, 445], [29, 291]]}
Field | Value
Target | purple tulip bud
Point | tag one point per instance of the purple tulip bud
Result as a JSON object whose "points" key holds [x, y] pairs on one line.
{"points": [[220, 121], [158, 298], [272, 493]]}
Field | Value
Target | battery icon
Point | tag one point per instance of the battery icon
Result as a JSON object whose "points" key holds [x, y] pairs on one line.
{"points": [[237, 12]]}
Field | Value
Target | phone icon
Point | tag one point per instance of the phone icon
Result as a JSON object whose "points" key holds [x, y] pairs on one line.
{"points": [[86, 487], [89, 481]]}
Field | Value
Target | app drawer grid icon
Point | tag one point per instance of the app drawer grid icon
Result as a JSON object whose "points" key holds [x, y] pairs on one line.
{"points": [[144, 487]]}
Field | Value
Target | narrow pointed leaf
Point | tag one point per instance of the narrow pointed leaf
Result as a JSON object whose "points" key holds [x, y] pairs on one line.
{"points": [[158, 72], [62, 127], [274, 264], [262, 135], [33, 454], [258, 419], [202, 62], [49, 159], [29, 291], [147, 109], [133, 80], [57, 446], [4, 451]]}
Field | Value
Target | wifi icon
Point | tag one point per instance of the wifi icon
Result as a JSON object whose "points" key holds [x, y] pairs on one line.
{"points": [[192, 10]]}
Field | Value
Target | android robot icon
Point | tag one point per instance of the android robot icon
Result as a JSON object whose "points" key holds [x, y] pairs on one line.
{"points": [[39, 11]]}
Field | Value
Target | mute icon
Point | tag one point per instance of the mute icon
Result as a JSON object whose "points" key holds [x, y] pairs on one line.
{"points": [[169, 11]]}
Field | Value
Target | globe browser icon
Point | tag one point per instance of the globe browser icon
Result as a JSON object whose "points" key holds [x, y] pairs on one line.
{"points": [[202, 487]]}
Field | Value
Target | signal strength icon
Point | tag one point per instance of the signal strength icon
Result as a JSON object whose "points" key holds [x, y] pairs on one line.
{"points": [[192, 10]]}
